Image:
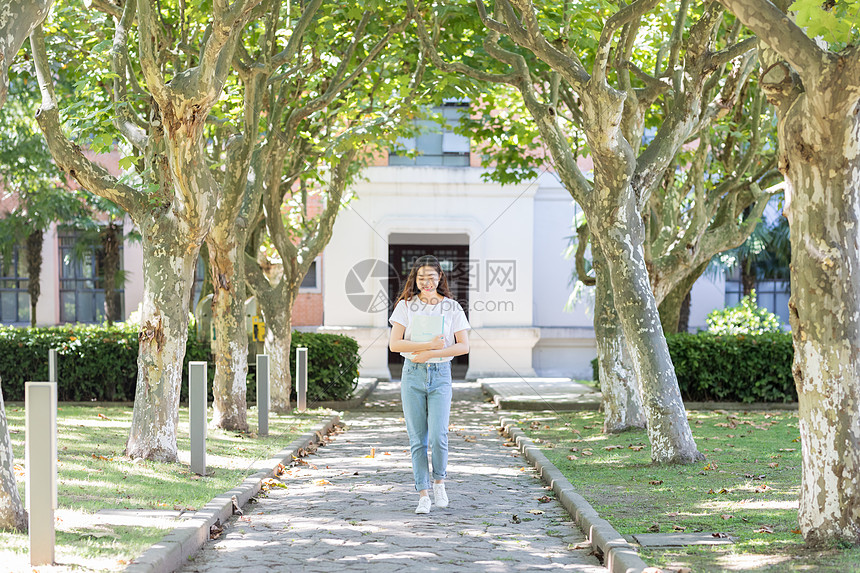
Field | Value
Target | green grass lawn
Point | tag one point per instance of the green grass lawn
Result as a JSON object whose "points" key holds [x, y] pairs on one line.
{"points": [[93, 474], [747, 488]]}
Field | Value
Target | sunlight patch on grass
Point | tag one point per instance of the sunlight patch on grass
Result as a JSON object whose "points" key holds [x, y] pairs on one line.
{"points": [[93, 474], [748, 485]]}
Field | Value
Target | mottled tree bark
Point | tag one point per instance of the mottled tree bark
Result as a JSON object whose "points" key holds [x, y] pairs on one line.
{"points": [[817, 94], [12, 514], [230, 347], [672, 306], [17, 19], [276, 306], [226, 242], [168, 268], [824, 215], [622, 404], [177, 213], [34, 271], [620, 235]]}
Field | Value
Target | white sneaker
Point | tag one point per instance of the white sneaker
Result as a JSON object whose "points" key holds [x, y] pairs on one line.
{"points": [[423, 504], [439, 495]]}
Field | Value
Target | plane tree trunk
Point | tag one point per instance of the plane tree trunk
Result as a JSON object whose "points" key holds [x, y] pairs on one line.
{"points": [[175, 206], [817, 95]]}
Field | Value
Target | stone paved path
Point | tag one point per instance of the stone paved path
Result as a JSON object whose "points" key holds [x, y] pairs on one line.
{"points": [[360, 517]]}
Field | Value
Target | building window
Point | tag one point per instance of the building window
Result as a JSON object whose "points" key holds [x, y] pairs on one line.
{"points": [[436, 145], [14, 298], [311, 282], [770, 294], [82, 295]]}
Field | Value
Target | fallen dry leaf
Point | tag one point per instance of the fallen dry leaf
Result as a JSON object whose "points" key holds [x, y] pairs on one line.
{"points": [[636, 448], [536, 511], [762, 488], [727, 516], [678, 528], [764, 529], [470, 438], [322, 482], [372, 453], [787, 449], [655, 528], [587, 453], [672, 514], [545, 499], [655, 482], [610, 448], [773, 464], [720, 535], [796, 531], [572, 457], [574, 449], [103, 417]]}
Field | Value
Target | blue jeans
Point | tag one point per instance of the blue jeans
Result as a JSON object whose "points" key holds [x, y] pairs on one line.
{"points": [[425, 391]]}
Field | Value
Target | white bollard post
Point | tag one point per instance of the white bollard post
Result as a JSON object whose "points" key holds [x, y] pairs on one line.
{"points": [[262, 395], [302, 378], [52, 365], [41, 481], [197, 415]]}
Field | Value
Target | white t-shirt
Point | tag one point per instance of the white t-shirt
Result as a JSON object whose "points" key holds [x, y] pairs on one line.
{"points": [[454, 321]]}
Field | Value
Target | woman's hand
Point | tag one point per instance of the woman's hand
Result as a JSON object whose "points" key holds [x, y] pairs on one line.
{"points": [[422, 357], [437, 343]]}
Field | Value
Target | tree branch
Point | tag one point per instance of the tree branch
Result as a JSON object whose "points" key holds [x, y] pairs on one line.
{"points": [[124, 120], [148, 46], [728, 54], [298, 33], [67, 155], [108, 8], [338, 83], [776, 29], [429, 49], [581, 244], [529, 36], [625, 15]]}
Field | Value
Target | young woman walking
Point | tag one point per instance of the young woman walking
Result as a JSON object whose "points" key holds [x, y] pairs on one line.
{"points": [[425, 311]]}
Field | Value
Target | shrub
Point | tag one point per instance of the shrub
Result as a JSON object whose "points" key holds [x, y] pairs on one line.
{"points": [[332, 365], [100, 363], [94, 362], [732, 368], [744, 318]]}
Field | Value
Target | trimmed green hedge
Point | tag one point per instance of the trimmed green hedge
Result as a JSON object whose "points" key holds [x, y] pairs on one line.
{"points": [[332, 365], [100, 363], [732, 368]]}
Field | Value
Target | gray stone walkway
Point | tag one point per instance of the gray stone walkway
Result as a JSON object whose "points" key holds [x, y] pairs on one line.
{"points": [[347, 511], [559, 394]]}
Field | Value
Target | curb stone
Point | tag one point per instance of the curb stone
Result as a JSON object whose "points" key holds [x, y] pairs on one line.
{"points": [[174, 549], [619, 556]]}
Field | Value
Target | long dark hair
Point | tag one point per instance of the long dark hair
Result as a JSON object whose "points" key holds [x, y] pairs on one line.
{"points": [[411, 289]]}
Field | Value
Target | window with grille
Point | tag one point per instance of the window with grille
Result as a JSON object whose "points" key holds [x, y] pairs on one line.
{"points": [[82, 295], [437, 145], [14, 281]]}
